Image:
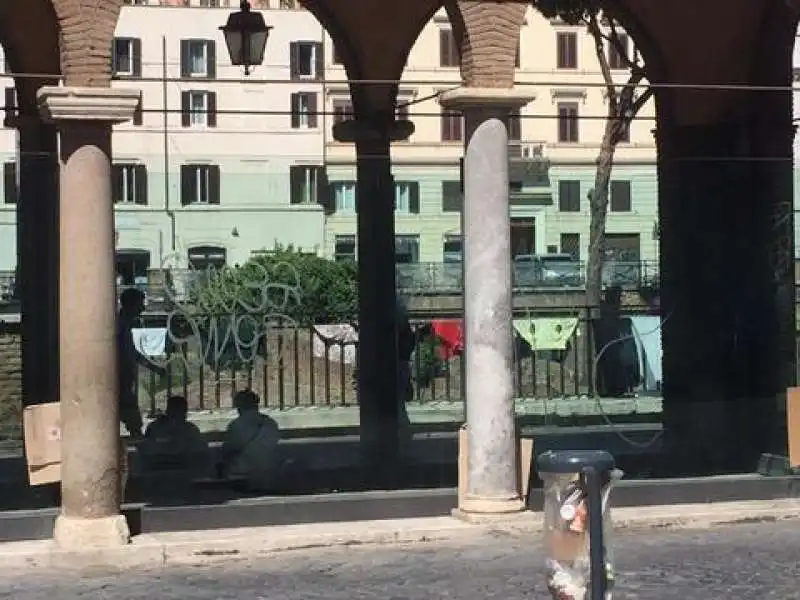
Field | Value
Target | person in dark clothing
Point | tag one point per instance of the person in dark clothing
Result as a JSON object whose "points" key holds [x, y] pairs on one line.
{"points": [[129, 358]]}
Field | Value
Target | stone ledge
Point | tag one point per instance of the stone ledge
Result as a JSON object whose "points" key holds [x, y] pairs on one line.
{"points": [[201, 547], [113, 105], [476, 97]]}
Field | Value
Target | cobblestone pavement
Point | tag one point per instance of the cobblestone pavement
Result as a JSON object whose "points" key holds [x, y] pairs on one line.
{"points": [[736, 562]]}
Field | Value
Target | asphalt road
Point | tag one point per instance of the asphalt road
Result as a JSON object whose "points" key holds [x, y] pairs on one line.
{"points": [[737, 562]]}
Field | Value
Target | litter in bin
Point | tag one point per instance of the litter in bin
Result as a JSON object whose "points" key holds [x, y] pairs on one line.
{"points": [[566, 518]]}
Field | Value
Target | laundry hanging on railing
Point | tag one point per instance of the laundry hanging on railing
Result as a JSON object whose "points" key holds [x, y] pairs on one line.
{"points": [[150, 341], [551, 333], [336, 343], [451, 337]]}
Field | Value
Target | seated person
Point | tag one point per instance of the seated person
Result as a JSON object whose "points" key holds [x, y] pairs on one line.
{"points": [[250, 448], [172, 442]]}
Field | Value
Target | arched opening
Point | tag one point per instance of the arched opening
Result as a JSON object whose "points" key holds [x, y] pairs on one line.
{"points": [[204, 258]]}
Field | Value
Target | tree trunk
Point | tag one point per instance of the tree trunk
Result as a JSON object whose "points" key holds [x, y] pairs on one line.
{"points": [[598, 207]]}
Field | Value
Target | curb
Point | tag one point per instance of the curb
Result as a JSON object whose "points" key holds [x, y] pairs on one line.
{"points": [[153, 551]]}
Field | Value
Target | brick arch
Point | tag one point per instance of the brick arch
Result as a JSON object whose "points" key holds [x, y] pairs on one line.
{"points": [[30, 35], [487, 34], [86, 33]]}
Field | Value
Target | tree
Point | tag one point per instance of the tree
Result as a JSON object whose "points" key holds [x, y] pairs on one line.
{"points": [[624, 103]]}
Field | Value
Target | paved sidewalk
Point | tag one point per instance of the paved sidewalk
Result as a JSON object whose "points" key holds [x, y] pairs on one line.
{"points": [[734, 562], [180, 548]]}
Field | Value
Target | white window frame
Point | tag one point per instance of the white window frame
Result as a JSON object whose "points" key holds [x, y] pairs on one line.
{"points": [[131, 58], [312, 67], [310, 174], [402, 191], [344, 196], [451, 238], [202, 175], [413, 240], [301, 106], [193, 46], [128, 179], [198, 115]]}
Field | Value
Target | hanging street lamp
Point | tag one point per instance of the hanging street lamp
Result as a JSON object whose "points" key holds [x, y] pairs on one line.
{"points": [[246, 35]]}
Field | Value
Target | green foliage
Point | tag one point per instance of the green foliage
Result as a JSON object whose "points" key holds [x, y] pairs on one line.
{"points": [[572, 12], [301, 288]]}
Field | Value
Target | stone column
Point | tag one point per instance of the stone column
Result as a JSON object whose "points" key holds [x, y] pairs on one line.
{"points": [[492, 485], [37, 256], [90, 512], [725, 198]]}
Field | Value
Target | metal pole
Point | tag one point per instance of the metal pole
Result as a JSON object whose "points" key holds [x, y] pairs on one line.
{"points": [[596, 544]]}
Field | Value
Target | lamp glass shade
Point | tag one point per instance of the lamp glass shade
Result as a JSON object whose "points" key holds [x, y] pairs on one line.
{"points": [[246, 35]]}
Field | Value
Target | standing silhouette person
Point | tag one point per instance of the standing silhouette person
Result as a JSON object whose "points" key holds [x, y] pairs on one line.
{"points": [[129, 358]]}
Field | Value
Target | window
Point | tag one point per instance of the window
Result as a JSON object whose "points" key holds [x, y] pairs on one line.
{"points": [[206, 258], [406, 197], [448, 50], [568, 122], [569, 196], [452, 197], [306, 183], [198, 109], [514, 126], [344, 248], [127, 57], [566, 50], [210, 3], [517, 58], [304, 110], [11, 102], [198, 58], [571, 244], [132, 266], [10, 183], [452, 127], [342, 111], [129, 184], [344, 196], [337, 58], [199, 184], [452, 248], [617, 59], [620, 196], [406, 249], [401, 111], [306, 60]]}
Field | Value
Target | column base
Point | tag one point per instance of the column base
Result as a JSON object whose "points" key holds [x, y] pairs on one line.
{"points": [[74, 533], [497, 505]]}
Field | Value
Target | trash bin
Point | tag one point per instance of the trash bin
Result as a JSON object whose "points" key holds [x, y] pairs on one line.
{"points": [[579, 560]]}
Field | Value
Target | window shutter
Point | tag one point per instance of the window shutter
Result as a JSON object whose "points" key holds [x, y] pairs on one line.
{"points": [[294, 60], [295, 110], [319, 56], [185, 102], [10, 183], [211, 59], [312, 110], [138, 117], [11, 101], [116, 183], [211, 109], [213, 184], [185, 58], [140, 181], [188, 185], [322, 186], [357, 193], [413, 200], [136, 50], [297, 183]]}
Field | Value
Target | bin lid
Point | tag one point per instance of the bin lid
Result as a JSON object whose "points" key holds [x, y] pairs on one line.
{"points": [[572, 461]]}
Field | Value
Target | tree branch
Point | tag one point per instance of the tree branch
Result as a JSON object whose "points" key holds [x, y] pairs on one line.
{"points": [[613, 38], [641, 101], [596, 32]]}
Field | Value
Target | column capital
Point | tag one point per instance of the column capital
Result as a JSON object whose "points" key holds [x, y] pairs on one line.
{"points": [[111, 105], [365, 130], [466, 97]]}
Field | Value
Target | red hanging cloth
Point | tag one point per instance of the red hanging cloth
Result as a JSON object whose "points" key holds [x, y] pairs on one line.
{"points": [[451, 337]]}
